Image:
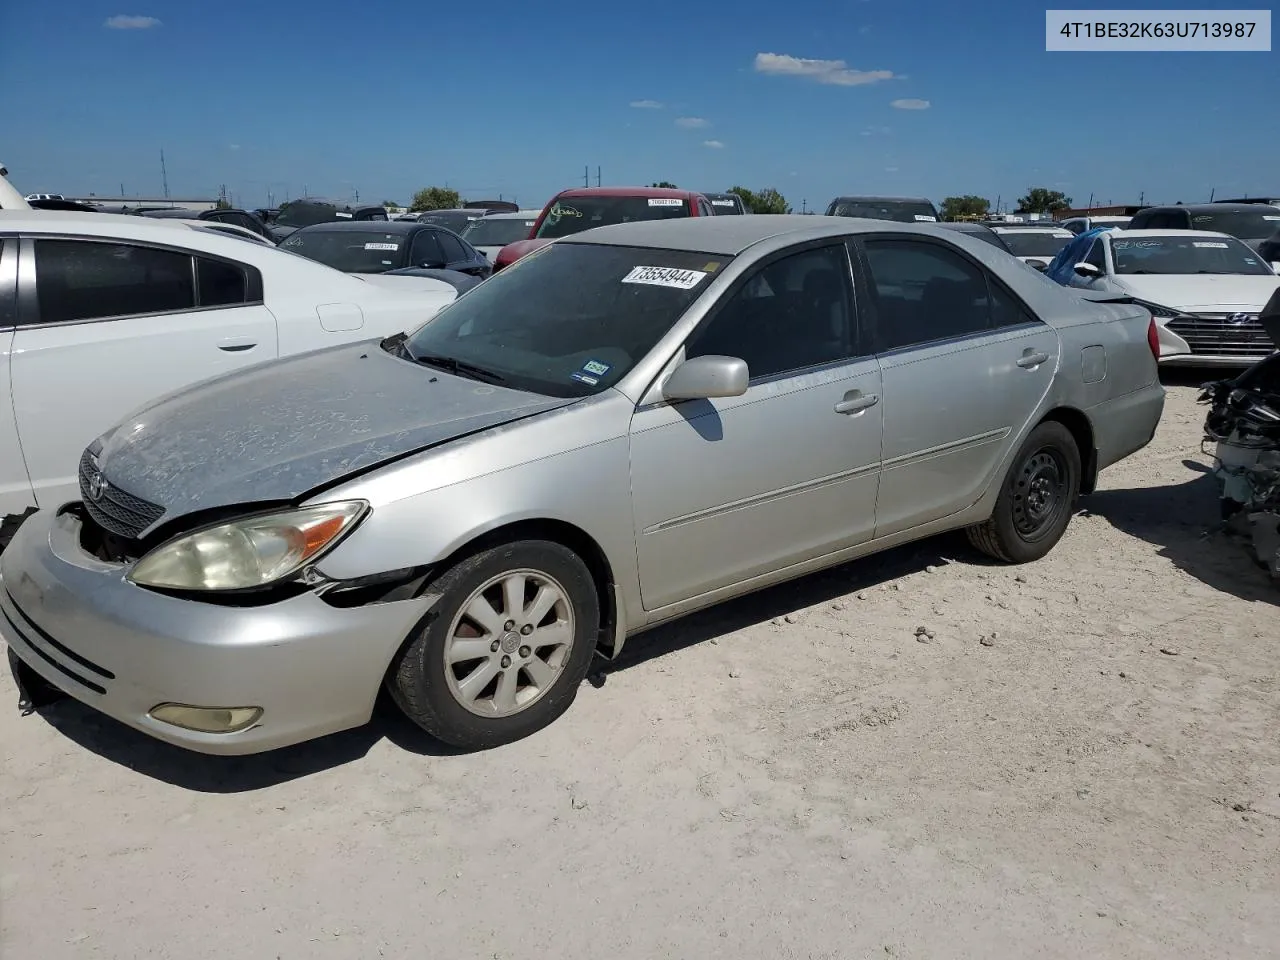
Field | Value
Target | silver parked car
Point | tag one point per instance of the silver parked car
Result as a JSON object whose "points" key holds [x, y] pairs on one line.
{"points": [[632, 423]]}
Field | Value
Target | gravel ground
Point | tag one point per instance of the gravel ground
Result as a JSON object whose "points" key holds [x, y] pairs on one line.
{"points": [[1076, 758]]}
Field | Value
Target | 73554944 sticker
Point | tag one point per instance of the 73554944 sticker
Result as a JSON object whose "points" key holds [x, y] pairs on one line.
{"points": [[665, 277]]}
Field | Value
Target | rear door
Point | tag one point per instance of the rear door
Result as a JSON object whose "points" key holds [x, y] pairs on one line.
{"points": [[964, 365], [105, 326]]}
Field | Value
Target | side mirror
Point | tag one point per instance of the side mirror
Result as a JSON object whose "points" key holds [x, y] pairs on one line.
{"points": [[704, 378], [1087, 270]]}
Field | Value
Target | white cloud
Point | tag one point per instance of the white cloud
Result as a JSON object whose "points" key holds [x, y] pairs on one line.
{"points": [[910, 104], [125, 22], [691, 123], [713, 144], [646, 105], [833, 72]]}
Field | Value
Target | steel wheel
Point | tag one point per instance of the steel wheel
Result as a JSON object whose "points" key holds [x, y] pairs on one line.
{"points": [[509, 643], [1039, 494]]}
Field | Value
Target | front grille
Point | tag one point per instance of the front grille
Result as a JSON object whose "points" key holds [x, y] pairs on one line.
{"points": [[116, 511], [1214, 333]]}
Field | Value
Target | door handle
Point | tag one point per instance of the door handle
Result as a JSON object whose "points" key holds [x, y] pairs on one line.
{"points": [[855, 401], [236, 346], [1031, 359]]}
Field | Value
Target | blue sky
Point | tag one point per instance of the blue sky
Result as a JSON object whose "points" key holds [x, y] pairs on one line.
{"points": [[388, 96]]}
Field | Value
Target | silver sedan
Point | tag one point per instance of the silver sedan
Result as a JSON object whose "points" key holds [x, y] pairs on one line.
{"points": [[631, 424]]}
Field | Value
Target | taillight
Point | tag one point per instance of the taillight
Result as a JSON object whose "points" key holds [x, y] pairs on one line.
{"points": [[1153, 338]]}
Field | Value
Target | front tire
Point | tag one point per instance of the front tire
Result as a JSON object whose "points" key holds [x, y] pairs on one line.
{"points": [[1037, 499], [508, 647]]}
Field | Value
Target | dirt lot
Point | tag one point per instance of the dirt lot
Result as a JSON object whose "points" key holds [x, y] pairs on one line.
{"points": [[794, 775]]}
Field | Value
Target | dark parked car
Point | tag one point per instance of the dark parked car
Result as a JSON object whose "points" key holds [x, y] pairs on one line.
{"points": [[386, 247], [1269, 249], [901, 209], [297, 214], [239, 218], [979, 230], [493, 206], [726, 204], [267, 214], [62, 204], [455, 220], [1250, 222]]}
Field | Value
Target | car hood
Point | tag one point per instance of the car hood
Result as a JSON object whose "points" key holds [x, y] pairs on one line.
{"points": [[1204, 293], [279, 429]]}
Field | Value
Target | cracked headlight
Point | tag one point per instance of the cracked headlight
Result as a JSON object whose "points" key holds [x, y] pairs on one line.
{"points": [[250, 552]]}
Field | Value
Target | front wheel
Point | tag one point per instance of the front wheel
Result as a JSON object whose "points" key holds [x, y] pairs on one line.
{"points": [[1037, 500], [510, 643]]}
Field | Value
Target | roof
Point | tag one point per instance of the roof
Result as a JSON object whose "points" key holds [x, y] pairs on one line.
{"points": [[868, 196], [967, 226], [1033, 228], [122, 226], [655, 192], [1207, 207], [729, 236], [514, 215], [1156, 232]]}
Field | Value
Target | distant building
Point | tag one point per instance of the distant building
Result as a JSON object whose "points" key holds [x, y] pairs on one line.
{"points": [[1119, 210], [132, 203]]}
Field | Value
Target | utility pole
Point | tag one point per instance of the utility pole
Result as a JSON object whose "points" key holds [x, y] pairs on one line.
{"points": [[1141, 194], [164, 175], [356, 192], [1211, 193], [998, 196], [1090, 207], [586, 176], [804, 206], [597, 176]]}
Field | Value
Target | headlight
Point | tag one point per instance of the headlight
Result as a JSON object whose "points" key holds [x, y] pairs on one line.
{"points": [[251, 552]]}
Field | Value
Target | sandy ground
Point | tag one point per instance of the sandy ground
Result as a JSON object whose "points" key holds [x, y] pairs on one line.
{"points": [[793, 775]]}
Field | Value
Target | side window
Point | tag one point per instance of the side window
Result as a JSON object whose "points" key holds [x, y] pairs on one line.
{"points": [[924, 292], [220, 284], [373, 215], [791, 314], [453, 252], [1006, 309], [88, 280], [426, 249], [1097, 256]]}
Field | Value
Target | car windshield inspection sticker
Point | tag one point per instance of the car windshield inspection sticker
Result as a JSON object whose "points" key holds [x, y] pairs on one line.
{"points": [[1218, 245], [722, 203], [382, 246], [584, 378], [345, 216], [664, 202], [665, 277], [595, 367], [922, 217]]}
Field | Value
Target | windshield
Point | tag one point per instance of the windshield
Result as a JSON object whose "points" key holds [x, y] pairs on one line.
{"points": [[1034, 243], [304, 214], [570, 319], [990, 236], [1247, 225], [570, 215], [498, 231], [1186, 255], [903, 211], [455, 220], [725, 203], [351, 251]]}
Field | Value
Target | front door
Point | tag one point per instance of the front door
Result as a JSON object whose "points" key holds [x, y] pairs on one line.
{"points": [[105, 327], [730, 489], [965, 364]]}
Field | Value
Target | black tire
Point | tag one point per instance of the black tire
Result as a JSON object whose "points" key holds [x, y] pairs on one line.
{"points": [[417, 679], [1020, 530]]}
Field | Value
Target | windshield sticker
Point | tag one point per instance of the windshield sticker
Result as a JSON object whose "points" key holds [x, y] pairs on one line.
{"points": [[711, 267], [922, 217], [1210, 243], [596, 368], [1252, 262], [722, 203], [666, 277], [584, 378], [530, 223], [382, 246], [345, 216], [559, 211], [664, 202]]}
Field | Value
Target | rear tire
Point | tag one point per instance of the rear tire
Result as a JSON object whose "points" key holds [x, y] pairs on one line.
{"points": [[1037, 499], [511, 640]]}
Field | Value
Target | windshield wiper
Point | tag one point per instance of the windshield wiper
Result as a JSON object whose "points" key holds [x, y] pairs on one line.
{"points": [[459, 367]]}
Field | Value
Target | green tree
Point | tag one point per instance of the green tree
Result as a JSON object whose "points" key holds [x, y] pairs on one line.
{"points": [[391, 203], [222, 204], [1042, 200], [767, 200], [953, 208], [665, 183], [435, 198]]}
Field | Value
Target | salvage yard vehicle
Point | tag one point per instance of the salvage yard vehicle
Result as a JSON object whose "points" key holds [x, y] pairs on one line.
{"points": [[490, 234], [727, 204], [1250, 222], [1204, 289], [100, 313], [584, 208], [307, 211], [634, 423], [1244, 425], [898, 209], [383, 248], [239, 218], [1033, 244]]}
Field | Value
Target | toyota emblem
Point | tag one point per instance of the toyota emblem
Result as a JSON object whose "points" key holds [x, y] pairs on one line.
{"points": [[97, 486]]}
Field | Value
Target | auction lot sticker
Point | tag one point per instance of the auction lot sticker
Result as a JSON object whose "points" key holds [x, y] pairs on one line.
{"points": [[665, 277], [1117, 31]]}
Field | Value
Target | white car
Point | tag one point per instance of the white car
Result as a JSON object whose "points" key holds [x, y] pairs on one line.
{"points": [[102, 313], [1079, 225], [1034, 246], [490, 234], [1204, 289]]}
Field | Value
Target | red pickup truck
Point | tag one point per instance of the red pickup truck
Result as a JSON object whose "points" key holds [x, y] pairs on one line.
{"points": [[572, 211]]}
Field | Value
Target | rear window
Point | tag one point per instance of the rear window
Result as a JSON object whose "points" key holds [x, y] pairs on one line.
{"points": [[1247, 225], [455, 220], [902, 211], [351, 251], [569, 215], [726, 204], [498, 231], [1033, 243], [303, 213]]}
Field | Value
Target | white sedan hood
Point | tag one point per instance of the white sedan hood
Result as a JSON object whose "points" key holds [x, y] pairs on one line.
{"points": [[1202, 293]]}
